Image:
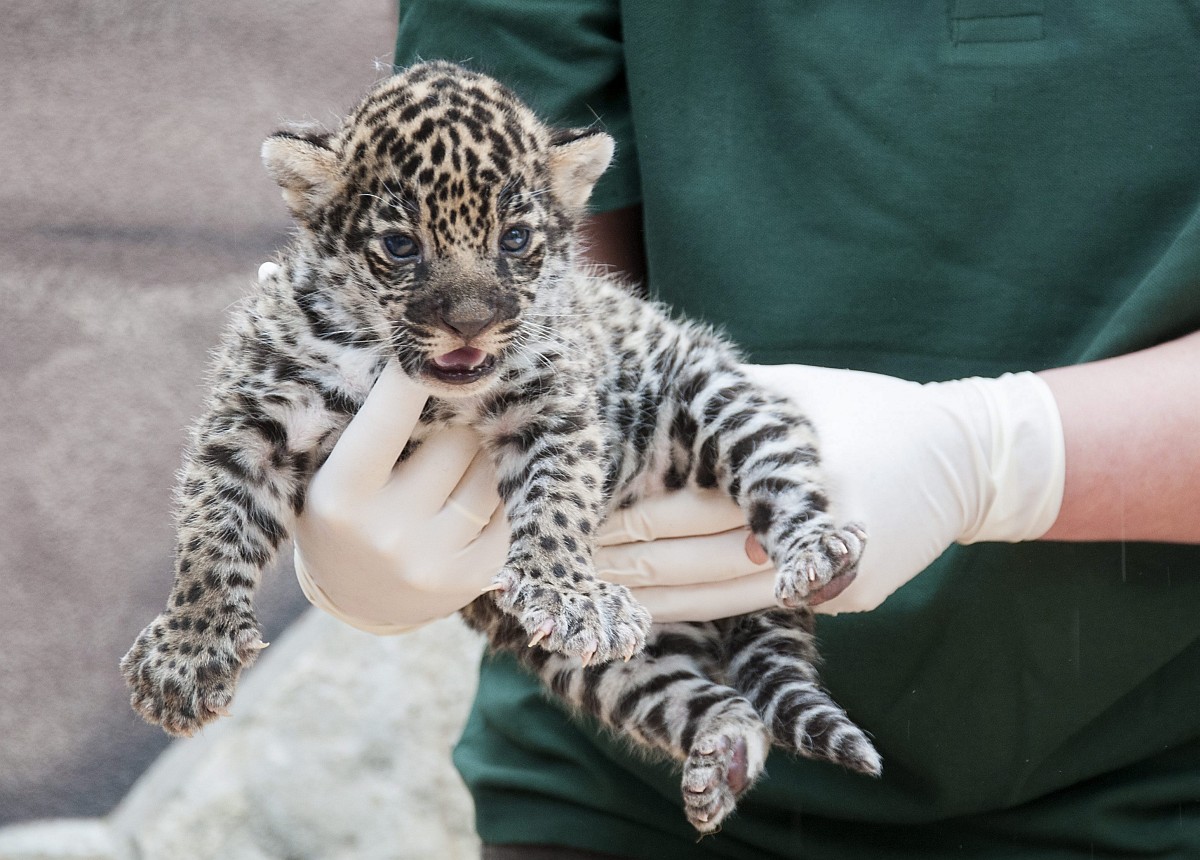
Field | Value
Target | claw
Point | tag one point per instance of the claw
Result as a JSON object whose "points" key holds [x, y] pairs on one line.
{"points": [[812, 572], [258, 644], [542, 632], [837, 547], [495, 586], [588, 655], [221, 712]]}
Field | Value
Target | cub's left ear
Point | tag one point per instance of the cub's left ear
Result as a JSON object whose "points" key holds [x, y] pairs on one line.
{"points": [[577, 159], [305, 167]]}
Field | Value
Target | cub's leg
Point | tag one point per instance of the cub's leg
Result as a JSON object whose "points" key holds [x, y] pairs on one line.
{"points": [[549, 461], [760, 450], [665, 700], [772, 661], [241, 486]]}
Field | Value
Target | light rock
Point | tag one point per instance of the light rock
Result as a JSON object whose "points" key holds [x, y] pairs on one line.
{"points": [[64, 839], [339, 749]]}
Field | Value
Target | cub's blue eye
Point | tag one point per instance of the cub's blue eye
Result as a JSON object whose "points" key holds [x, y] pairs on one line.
{"points": [[401, 247], [514, 240]]}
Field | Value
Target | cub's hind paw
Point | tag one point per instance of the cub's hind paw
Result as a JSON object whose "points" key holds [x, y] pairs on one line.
{"points": [[594, 620], [725, 760], [819, 567], [182, 679]]}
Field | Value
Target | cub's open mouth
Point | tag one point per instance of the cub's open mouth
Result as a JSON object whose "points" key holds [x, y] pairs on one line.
{"points": [[461, 366]]}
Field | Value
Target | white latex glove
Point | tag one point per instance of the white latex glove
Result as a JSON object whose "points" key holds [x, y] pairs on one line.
{"points": [[920, 466], [387, 547]]}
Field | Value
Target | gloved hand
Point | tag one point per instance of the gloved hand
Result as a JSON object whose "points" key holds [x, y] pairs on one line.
{"points": [[388, 547], [920, 466]]}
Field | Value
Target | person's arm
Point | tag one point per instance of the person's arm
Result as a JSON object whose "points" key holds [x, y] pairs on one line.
{"points": [[1131, 425], [613, 240]]}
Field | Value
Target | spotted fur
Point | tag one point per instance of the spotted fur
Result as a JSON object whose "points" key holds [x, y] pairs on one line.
{"points": [[437, 228]]}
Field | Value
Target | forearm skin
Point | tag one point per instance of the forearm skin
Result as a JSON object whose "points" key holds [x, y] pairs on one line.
{"points": [[1132, 431]]}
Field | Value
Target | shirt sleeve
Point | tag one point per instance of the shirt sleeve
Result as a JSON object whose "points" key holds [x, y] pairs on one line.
{"points": [[564, 57]]}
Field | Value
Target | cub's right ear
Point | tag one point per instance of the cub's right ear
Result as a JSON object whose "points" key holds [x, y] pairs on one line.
{"points": [[305, 168]]}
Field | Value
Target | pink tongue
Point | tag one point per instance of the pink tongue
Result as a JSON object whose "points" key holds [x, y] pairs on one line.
{"points": [[464, 357]]}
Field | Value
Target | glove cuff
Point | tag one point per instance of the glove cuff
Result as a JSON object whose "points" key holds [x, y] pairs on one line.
{"points": [[318, 598], [1024, 466]]}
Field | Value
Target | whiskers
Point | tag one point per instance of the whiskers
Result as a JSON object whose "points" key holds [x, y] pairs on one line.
{"points": [[397, 200], [543, 344], [562, 315], [513, 196]]}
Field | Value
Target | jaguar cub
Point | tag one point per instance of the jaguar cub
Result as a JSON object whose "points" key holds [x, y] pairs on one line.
{"points": [[437, 229]]}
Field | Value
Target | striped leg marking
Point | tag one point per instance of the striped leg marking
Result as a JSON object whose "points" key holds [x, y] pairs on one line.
{"points": [[773, 665], [663, 700]]}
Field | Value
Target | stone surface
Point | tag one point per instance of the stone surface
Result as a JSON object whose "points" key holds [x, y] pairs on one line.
{"points": [[338, 749], [69, 839]]}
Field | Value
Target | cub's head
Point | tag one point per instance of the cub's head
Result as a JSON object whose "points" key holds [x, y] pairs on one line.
{"points": [[439, 209]]}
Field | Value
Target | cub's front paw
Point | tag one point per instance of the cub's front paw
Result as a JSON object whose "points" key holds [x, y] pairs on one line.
{"points": [[594, 620], [183, 669], [820, 566]]}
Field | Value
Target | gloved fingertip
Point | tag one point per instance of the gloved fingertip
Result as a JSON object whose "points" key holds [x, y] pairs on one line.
{"points": [[267, 271]]}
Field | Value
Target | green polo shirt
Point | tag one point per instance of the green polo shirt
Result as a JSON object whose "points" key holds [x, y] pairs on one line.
{"points": [[929, 189]]}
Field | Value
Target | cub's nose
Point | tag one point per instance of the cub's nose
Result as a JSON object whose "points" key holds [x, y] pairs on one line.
{"points": [[468, 321]]}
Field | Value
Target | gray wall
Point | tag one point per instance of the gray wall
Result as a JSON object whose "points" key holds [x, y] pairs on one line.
{"points": [[133, 211]]}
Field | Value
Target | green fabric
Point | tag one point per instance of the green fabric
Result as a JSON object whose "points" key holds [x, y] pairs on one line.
{"points": [[930, 190]]}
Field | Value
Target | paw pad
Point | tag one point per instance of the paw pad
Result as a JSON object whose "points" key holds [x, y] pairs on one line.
{"points": [[724, 762]]}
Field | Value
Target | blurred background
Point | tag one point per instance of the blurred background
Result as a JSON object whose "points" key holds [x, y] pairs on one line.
{"points": [[133, 211]]}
